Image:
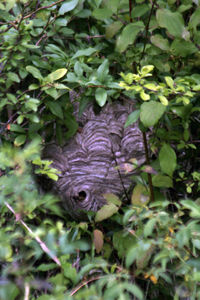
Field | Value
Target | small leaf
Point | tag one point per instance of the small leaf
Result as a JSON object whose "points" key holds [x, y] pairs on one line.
{"points": [[167, 159], [20, 140], [140, 195], [103, 70], [85, 52], [55, 108], [106, 212], [35, 72], [101, 96], [162, 181], [163, 100], [112, 29], [56, 75], [111, 198], [170, 82], [132, 118], [67, 6], [128, 35], [98, 240], [144, 96], [160, 42], [13, 76], [151, 112], [102, 13], [172, 21]]}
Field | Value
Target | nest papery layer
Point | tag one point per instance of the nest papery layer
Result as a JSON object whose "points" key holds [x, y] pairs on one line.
{"points": [[93, 162]]}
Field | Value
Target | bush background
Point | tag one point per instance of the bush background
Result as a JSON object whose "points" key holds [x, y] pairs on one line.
{"points": [[100, 51]]}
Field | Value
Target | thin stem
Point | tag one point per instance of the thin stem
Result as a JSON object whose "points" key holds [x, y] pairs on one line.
{"points": [[147, 28], [148, 163], [130, 11]]}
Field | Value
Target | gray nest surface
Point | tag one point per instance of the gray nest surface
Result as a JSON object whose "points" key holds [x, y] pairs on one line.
{"points": [[94, 161]]}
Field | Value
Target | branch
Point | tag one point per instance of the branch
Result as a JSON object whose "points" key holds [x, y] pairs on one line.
{"points": [[40, 242], [41, 8], [147, 28]]}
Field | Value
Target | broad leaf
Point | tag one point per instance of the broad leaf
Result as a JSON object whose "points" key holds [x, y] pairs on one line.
{"points": [[162, 181], [128, 35], [55, 108], [112, 29], [98, 240], [151, 112], [85, 52], [172, 21], [56, 75], [106, 212], [102, 13], [101, 96], [103, 70], [20, 140], [167, 159], [160, 42], [35, 72], [67, 6], [132, 118]]}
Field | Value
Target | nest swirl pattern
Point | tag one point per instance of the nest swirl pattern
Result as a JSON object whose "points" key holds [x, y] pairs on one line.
{"points": [[92, 162]]}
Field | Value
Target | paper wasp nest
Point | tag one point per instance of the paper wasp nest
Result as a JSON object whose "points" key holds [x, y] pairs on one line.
{"points": [[94, 161]]}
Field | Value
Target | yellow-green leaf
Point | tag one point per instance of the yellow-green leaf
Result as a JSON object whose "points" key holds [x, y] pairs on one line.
{"points": [[144, 96], [163, 100], [56, 75]]}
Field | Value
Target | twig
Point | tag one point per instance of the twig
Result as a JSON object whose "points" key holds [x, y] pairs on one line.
{"points": [[41, 243], [27, 291], [41, 8], [148, 163], [84, 283], [147, 28], [130, 11]]}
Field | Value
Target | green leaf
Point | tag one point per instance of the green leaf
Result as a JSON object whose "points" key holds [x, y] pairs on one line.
{"points": [[128, 35], [167, 159], [103, 70], [13, 76], [55, 108], [106, 212], [162, 181], [112, 29], [194, 207], [160, 42], [85, 52], [20, 140], [172, 21], [33, 86], [111, 198], [140, 195], [183, 48], [35, 72], [102, 13], [149, 227], [17, 128], [56, 75], [46, 267], [101, 96], [195, 19], [67, 6], [151, 112], [132, 118]]}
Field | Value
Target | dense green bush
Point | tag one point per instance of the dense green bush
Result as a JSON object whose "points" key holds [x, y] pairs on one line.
{"points": [[100, 51]]}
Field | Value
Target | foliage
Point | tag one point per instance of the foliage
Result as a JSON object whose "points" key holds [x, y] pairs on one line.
{"points": [[53, 54]]}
